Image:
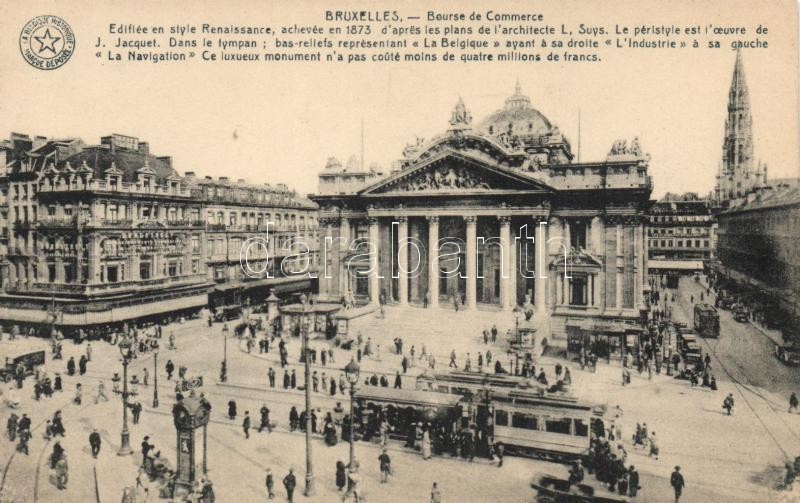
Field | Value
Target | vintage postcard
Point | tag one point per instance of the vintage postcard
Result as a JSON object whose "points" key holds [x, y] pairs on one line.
{"points": [[422, 251]]}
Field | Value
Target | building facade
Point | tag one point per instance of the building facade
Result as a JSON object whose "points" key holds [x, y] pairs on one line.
{"points": [[263, 225], [107, 233], [738, 173], [681, 233], [759, 253], [496, 215]]}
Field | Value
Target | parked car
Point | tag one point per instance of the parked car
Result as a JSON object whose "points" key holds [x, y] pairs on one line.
{"points": [[12, 358], [740, 313], [788, 355]]}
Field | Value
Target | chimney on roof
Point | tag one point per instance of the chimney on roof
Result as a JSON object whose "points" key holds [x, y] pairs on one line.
{"points": [[223, 179], [38, 141], [144, 148], [166, 159], [189, 174], [241, 181], [208, 177]]}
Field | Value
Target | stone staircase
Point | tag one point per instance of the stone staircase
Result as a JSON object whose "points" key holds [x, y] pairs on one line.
{"points": [[440, 329]]}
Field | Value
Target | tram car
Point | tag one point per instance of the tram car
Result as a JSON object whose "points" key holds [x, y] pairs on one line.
{"points": [[525, 417], [542, 426]]}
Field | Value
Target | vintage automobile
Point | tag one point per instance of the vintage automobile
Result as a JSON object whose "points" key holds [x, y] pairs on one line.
{"points": [[11, 358], [725, 300], [227, 313], [690, 348], [740, 313], [788, 355]]}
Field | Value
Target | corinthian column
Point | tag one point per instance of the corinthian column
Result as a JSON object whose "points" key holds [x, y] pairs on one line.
{"points": [[472, 261], [402, 260], [374, 273], [505, 263], [433, 261], [540, 268]]}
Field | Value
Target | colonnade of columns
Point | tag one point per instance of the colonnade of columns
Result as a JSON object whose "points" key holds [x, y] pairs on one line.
{"points": [[600, 292], [508, 264]]}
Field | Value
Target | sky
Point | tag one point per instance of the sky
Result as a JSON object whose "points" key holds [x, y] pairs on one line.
{"points": [[279, 123]]}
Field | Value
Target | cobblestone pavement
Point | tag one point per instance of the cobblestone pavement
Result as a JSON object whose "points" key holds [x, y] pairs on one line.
{"points": [[736, 458]]}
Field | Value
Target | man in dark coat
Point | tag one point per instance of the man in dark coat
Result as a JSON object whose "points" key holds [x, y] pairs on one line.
{"points": [[633, 481], [677, 482], [136, 410], [82, 364], [71, 366], [286, 380], [271, 377], [232, 409], [264, 420], [246, 424], [170, 369], [293, 380], [58, 451], [293, 419], [94, 442], [289, 482], [385, 465], [398, 381]]}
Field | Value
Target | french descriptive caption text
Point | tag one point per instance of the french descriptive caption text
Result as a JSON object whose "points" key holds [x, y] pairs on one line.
{"points": [[353, 37]]}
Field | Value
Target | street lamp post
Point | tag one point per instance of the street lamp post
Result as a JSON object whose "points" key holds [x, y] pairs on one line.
{"points": [[125, 443], [309, 466], [155, 378], [223, 373], [351, 371]]}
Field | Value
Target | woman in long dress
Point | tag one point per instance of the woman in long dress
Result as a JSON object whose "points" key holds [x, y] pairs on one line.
{"points": [[426, 444]]}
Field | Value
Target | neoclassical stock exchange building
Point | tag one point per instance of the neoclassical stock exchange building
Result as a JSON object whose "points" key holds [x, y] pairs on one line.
{"points": [[506, 187]]}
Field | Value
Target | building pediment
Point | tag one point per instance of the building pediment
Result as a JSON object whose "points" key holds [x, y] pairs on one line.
{"points": [[454, 172], [580, 259]]}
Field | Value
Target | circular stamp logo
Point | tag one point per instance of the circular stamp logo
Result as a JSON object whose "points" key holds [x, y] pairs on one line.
{"points": [[46, 42]]}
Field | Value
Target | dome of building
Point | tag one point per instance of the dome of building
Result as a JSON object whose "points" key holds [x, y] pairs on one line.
{"points": [[517, 117]]}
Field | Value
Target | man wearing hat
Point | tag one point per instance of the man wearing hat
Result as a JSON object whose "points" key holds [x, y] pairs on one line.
{"points": [[677, 482]]}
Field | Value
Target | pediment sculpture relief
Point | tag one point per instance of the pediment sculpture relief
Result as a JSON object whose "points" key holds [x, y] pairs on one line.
{"points": [[443, 178]]}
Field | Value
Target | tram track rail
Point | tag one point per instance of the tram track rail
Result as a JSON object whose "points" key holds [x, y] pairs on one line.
{"points": [[742, 387], [40, 457]]}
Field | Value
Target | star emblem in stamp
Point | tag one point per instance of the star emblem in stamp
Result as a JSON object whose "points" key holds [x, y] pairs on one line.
{"points": [[47, 42]]}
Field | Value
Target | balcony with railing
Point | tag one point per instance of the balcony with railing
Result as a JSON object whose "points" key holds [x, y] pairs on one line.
{"points": [[60, 222], [121, 187], [21, 251], [99, 288], [22, 225]]}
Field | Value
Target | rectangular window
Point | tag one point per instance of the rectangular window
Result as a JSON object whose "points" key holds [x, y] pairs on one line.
{"points": [[581, 428], [144, 270], [577, 234], [195, 244], [526, 421], [558, 425], [172, 269], [51, 211], [195, 266], [112, 274], [500, 418]]}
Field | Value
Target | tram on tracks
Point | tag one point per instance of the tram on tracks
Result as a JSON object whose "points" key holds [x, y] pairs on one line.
{"points": [[527, 418]]}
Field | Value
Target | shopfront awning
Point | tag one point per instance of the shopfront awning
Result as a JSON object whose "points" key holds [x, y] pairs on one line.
{"points": [[288, 283], [677, 265], [407, 397]]}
